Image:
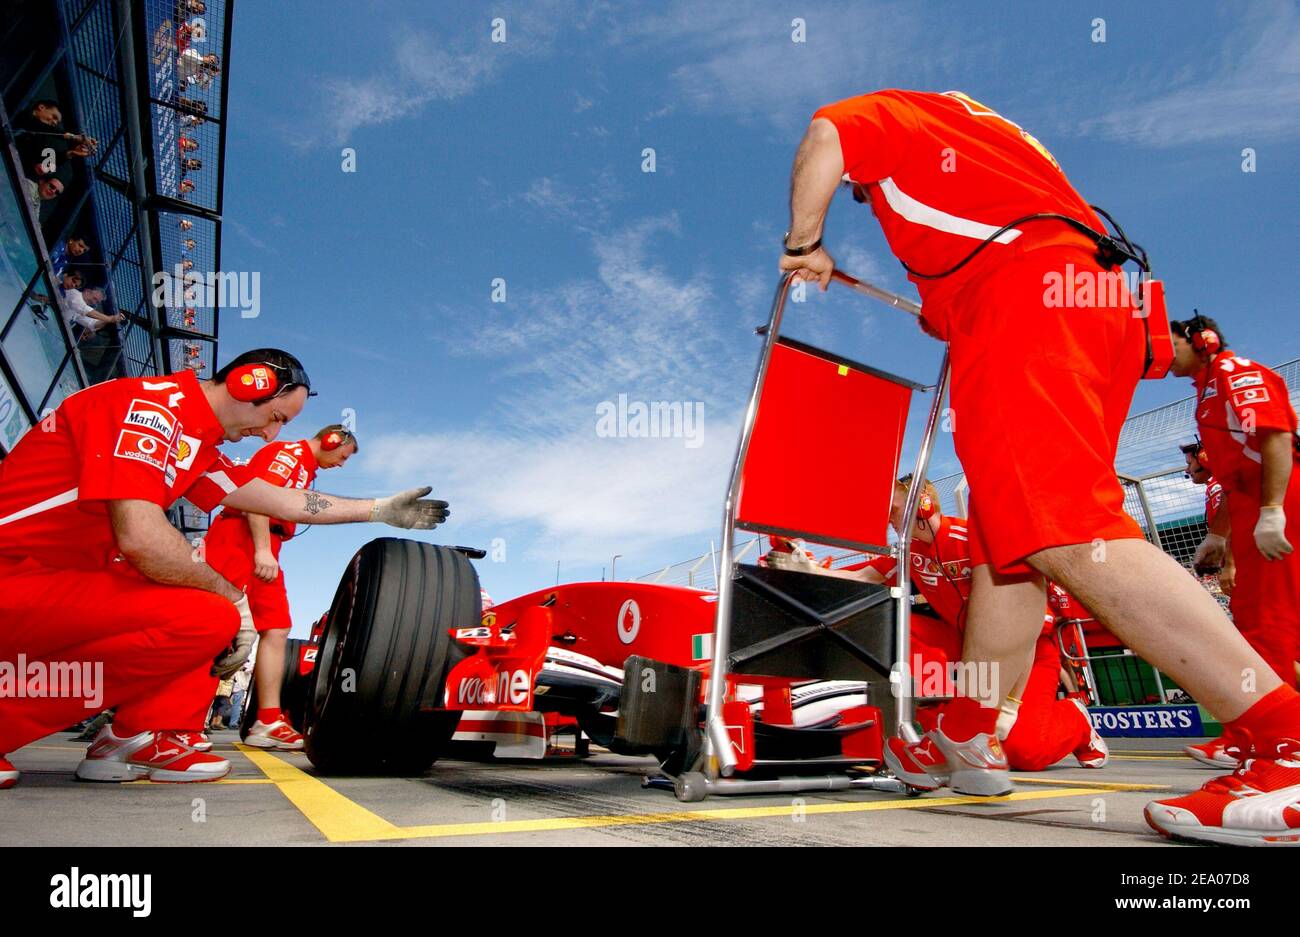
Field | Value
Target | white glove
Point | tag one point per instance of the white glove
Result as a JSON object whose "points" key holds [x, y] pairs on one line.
{"points": [[406, 510], [1210, 554], [1270, 532], [798, 561], [234, 656]]}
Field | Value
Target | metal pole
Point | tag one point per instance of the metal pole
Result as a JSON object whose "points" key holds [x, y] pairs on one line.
{"points": [[719, 759], [903, 591], [613, 568], [875, 292]]}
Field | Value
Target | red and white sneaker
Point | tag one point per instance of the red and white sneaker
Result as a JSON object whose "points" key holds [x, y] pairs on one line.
{"points": [[278, 735], [1096, 753], [1217, 753], [1257, 805], [158, 756], [198, 741], [8, 773], [977, 766]]}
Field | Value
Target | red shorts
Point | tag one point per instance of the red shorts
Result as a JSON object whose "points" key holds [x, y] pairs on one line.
{"points": [[1039, 395], [228, 548]]}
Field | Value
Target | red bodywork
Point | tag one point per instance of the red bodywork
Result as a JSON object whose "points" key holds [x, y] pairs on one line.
{"points": [[610, 620]]}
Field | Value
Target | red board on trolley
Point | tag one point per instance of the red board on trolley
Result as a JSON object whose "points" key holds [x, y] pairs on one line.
{"points": [[825, 449]]}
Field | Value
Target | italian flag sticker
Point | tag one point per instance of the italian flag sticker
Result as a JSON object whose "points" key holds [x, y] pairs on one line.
{"points": [[702, 646]]}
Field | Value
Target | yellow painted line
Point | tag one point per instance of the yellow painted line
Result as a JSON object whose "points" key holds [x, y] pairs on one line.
{"points": [[341, 820], [1096, 785]]}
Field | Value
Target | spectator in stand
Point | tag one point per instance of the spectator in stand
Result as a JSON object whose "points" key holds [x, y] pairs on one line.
{"points": [[186, 224], [191, 165], [186, 186], [193, 110], [42, 139], [66, 252], [186, 144], [187, 245], [196, 70], [79, 309], [43, 191]]}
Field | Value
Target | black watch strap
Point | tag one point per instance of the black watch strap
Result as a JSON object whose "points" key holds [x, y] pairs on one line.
{"points": [[800, 251]]}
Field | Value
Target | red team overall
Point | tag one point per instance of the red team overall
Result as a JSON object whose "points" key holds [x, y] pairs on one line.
{"points": [[94, 578], [1044, 346], [245, 548], [1248, 429], [1039, 729]]}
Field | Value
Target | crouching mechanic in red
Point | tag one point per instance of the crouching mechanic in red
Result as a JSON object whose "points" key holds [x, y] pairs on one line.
{"points": [[989, 228], [1036, 729], [245, 548], [92, 575]]}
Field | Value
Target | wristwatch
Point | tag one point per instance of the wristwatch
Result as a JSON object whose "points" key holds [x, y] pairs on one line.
{"points": [[800, 251]]}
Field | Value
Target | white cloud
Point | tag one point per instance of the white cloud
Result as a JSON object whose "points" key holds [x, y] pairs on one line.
{"points": [[742, 60], [637, 327], [578, 495], [427, 66], [587, 207], [1252, 95]]}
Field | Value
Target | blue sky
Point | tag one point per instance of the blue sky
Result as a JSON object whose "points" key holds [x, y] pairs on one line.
{"points": [[523, 160]]}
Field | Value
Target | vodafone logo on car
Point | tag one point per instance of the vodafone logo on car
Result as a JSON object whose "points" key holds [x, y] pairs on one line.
{"points": [[629, 621], [510, 686]]}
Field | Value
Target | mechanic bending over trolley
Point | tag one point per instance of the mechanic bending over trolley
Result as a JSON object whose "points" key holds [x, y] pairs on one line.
{"points": [[983, 219]]}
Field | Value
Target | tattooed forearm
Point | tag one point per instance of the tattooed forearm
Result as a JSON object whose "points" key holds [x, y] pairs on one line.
{"points": [[316, 503]]}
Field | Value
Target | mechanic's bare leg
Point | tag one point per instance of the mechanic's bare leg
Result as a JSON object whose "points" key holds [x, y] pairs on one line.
{"points": [[1005, 619], [269, 669], [1151, 604], [268, 672]]}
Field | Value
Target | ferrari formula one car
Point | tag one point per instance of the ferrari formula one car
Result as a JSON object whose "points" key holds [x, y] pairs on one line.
{"points": [[780, 681], [405, 664]]}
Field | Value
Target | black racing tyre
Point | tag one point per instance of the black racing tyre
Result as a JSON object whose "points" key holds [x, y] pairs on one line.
{"points": [[293, 691], [383, 659]]}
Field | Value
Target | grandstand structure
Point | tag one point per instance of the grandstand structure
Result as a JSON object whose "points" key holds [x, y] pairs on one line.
{"points": [[147, 200]]}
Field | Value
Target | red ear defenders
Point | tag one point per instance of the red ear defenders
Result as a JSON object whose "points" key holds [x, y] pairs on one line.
{"points": [[925, 507], [1204, 340], [334, 439], [259, 382]]}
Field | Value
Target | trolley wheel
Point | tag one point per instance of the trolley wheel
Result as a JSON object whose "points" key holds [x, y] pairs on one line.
{"points": [[691, 787], [913, 791]]}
